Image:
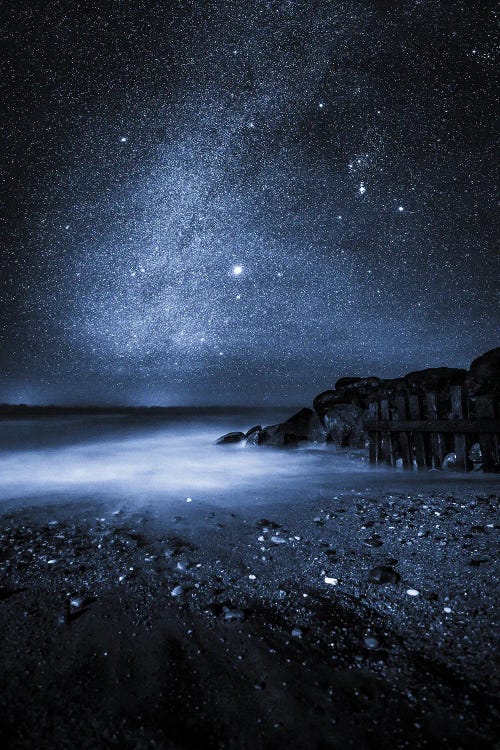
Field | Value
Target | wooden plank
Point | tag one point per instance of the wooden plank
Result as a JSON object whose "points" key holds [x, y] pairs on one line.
{"points": [[456, 402], [373, 436], [488, 442], [461, 451], [387, 446], [421, 454], [436, 439], [486, 425], [460, 440], [404, 442]]}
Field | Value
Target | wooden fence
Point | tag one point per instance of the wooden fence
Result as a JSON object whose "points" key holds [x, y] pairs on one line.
{"points": [[418, 430]]}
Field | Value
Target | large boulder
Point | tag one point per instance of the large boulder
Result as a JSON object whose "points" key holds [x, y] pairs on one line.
{"points": [[230, 437], [344, 382], [351, 391], [253, 435], [435, 378], [484, 374], [344, 423], [303, 426]]}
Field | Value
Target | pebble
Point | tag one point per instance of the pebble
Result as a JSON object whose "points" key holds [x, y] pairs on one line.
{"points": [[177, 591], [297, 633], [373, 541], [278, 540], [371, 642], [233, 614], [383, 574], [331, 581], [412, 592]]}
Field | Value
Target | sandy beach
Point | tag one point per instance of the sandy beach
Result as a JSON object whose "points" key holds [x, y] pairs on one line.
{"points": [[363, 616]]}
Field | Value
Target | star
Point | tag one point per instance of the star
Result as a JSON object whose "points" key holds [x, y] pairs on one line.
{"points": [[362, 189], [237, 270]]}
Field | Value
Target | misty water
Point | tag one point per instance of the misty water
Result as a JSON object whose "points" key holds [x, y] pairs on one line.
{"points": [[170, 458]]}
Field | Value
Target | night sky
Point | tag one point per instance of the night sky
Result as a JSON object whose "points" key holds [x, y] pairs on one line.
{"points": [[240, 202]]}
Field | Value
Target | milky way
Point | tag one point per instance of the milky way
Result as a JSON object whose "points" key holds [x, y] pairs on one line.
{"points": [[241, 202]]}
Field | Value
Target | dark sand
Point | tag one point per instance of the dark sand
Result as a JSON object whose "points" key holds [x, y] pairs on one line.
{"points": [[128, 665]]}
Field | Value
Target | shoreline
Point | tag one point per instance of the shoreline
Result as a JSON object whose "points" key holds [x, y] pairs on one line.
{"points": [[256, 650]]}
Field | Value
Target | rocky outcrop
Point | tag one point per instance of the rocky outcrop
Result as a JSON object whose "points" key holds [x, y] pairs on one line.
{"points": [[484, 374], [344, 425], [339, 415], [231, 437], [303, 426], [351, 391]]}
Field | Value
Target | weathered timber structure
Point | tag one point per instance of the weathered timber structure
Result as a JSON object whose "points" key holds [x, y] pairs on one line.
{"points": [[419, 431]]}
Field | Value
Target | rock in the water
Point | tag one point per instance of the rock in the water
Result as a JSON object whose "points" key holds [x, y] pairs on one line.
{"points": [[231, 437], [253, 430], [303, 426], [344, 423], [253, 435], [450, 461], [383, 574]]}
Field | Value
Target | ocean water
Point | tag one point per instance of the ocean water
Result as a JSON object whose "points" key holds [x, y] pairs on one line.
{"points": [[172, 458], [142, 456]]}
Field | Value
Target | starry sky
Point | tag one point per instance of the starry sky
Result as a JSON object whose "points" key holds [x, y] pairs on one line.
{"points": [[239, 202]]}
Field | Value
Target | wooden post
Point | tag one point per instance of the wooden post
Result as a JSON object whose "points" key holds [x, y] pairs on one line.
{"points": [[374, 435], [387, 439], [459, 438], [431, 413], [404, 443], [488, 442], [418, 437]]}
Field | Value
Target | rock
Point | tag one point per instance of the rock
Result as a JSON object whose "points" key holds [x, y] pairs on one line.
{"points": [[484, 374], [252, 431], [449, 461], [264, 523], [233, 614], [297, 633], [278, 540], [344, 423], [371, 642], [383, 574], [344, 382], [435, 378], [302, 426], [373, 541], [231, 437], [177, 591], [357, 391], [475, 454]]}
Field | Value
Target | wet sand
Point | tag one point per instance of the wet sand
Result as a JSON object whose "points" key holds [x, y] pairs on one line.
{"points": [[102, 649]]}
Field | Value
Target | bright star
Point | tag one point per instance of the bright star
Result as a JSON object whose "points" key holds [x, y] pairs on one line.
{"points": [[400, 208], [362, 189], [237, 270], [123, 139]]}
